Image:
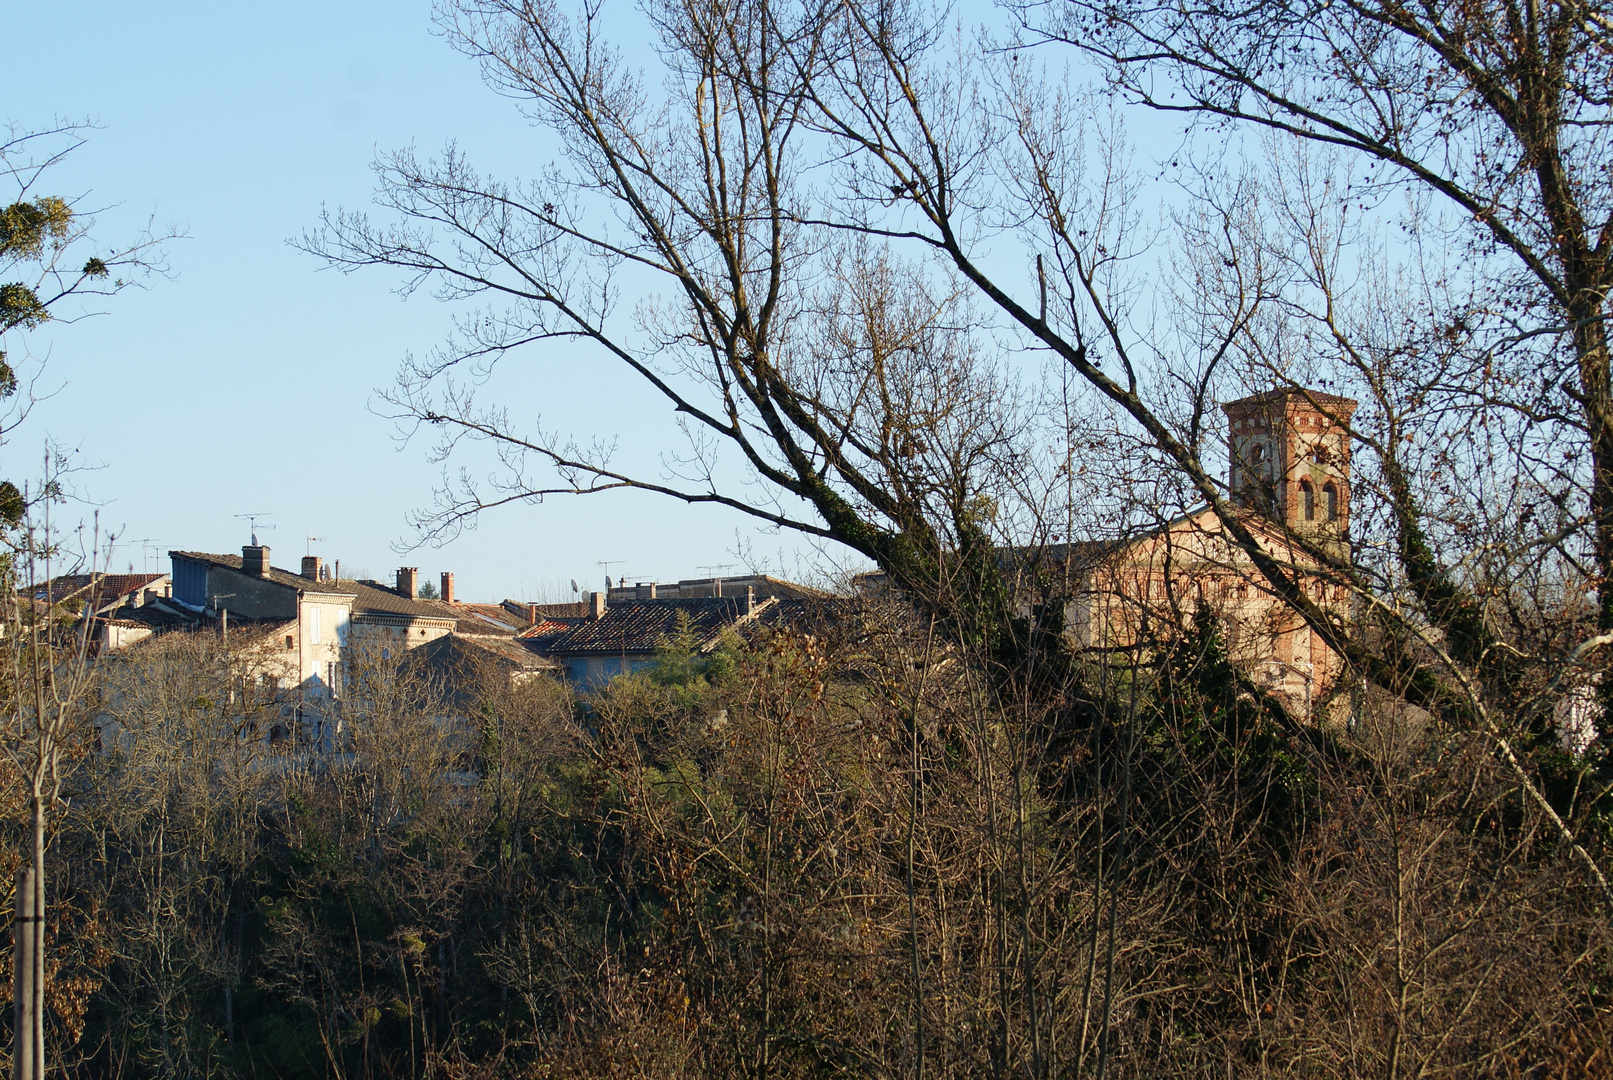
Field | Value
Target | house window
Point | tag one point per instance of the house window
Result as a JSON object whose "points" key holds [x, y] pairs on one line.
{"points": [[1307, 500], [330, 677], [291, 642], [1330, 500], [313, 625]]}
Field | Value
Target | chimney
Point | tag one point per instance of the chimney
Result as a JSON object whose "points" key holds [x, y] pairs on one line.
{"points": [[447, 593], [596, 609], [409, 582], [255, 560], [532, 614], [311, 567], [750, 599]]}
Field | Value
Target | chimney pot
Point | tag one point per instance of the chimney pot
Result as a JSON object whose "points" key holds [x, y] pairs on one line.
{"points": [[750, 599], [596, 609], [312, 567], [532, 614], [447, 587], [409, 582], [255, 560]]}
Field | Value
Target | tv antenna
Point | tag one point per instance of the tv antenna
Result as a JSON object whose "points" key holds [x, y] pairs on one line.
{"points": [[718, 566], [312, 540], [252, 523], [148, 543]]}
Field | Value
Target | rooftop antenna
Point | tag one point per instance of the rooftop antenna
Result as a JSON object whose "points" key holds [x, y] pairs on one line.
{"points": [[252, 523], [148, 543], [312, 540]]}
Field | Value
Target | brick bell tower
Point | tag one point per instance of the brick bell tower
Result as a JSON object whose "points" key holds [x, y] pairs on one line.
{"points": [[1290, 459]]}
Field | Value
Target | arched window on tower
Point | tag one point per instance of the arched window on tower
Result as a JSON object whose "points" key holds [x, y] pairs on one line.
{"points": [[1330, 500], [1307, 500]]}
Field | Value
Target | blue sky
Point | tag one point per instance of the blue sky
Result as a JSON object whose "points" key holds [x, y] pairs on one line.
{"points": [[241, 384]]}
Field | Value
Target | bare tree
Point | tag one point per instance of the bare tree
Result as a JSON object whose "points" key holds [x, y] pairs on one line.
{"points": [[847, 384], [1499, 112]]}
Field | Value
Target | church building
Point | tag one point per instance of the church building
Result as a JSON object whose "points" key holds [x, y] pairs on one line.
{"points": [[1289, 475]]}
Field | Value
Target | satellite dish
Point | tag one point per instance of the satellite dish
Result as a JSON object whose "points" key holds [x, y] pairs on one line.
{"points": [[574, 585]]}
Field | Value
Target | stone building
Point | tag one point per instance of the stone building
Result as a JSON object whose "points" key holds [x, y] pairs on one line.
{"points": [[317, 618], [1289, 476]]}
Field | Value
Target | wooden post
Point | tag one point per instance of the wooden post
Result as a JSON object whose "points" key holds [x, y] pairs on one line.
{"points": [[22, 983]]}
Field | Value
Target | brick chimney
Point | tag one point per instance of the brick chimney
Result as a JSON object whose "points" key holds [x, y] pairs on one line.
{"points": [[447, 593], [532, 614], [311, 567], [596, 607], [409, 582], [255, 560]]}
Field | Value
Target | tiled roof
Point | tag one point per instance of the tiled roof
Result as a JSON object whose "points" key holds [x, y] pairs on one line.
{"points": [[642, 626], [160, 616], [510, 650], [108, 586], [541, 635], [369, 598], [1284, 393], [575, 610], [478, 618], [459, 662]]}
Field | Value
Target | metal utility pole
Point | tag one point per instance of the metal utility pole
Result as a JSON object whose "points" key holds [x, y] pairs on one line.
{"points": [[223, 614], [716, 580], [28, 1054]]}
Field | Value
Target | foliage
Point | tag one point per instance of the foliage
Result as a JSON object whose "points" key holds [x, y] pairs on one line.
{"points": [[841, 851]]}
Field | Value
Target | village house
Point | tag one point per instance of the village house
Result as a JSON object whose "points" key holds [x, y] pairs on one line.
{"points": [[316, 616], [621, 639]]}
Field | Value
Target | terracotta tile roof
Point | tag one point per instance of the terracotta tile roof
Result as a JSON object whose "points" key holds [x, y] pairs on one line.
{"points": [[519, 610], [542, 634], [642, 626], [510, 650], [107, 586], [478, 618], [1303, 397]]}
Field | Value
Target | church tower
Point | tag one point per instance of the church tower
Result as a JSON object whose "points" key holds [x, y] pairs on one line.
{"points": [[1290, 459]]}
